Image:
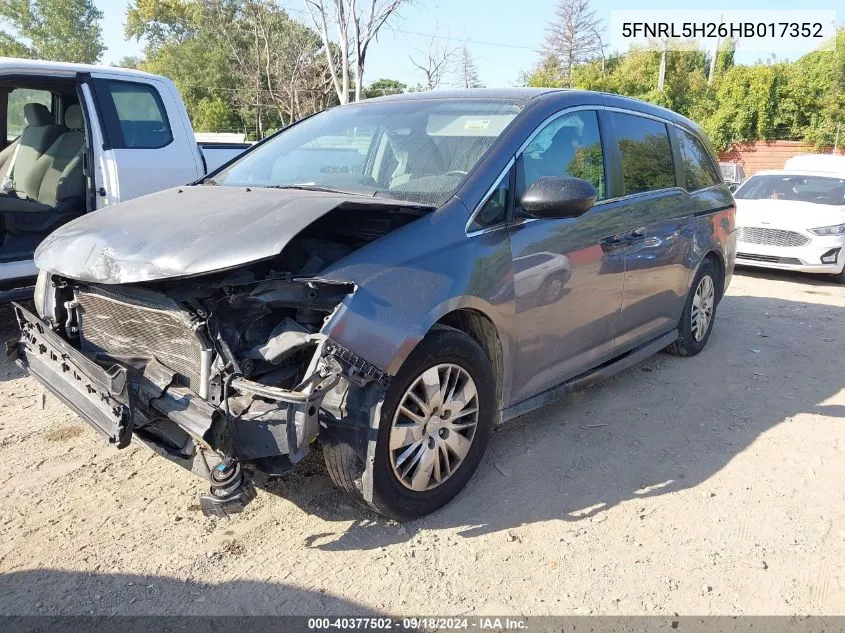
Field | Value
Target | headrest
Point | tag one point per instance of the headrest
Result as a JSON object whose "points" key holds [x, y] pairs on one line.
{"points": [[37, 114], [73, 118], [565, 135]]}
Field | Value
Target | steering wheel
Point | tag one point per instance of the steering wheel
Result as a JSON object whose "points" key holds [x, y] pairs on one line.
{"points": [[456, 172]]}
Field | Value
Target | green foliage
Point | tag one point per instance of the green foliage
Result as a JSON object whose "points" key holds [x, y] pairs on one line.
{"points": [[59, 30], [241, 65], [383, 87], [802, 100]]}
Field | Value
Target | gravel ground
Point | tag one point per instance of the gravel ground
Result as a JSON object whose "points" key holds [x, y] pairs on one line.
{"points": [[710, 485]]}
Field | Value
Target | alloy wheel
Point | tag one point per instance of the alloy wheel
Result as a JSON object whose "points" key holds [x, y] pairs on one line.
{"points": [[703, 302], [434, 427]]}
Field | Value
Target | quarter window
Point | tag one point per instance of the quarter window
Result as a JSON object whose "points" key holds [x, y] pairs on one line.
{"points": [[495, 210], [142, 121], [699, 171], [569, 145], [645, 153]]}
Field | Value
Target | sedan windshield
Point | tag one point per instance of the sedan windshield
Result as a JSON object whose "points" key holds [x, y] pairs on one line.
{"points": [[416, 150], [816, 189]]}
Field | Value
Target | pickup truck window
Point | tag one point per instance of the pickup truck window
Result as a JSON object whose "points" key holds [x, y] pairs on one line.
{"points": [[418, 151], [18, 98], [141, 119]]}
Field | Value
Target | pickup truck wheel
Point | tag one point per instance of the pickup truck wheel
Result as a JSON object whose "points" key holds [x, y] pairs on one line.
{"points": [[699, 312], [436, 421]]}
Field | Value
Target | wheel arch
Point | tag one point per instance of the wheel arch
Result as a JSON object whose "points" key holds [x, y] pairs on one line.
{"points": [[719, 262], [483, 331]]}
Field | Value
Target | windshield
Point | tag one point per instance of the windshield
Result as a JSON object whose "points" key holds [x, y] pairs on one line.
{"points": [[816, 189], [417, 151]]}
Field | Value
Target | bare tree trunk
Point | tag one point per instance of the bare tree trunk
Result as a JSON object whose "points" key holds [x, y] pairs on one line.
{"points": [[365, 25]]}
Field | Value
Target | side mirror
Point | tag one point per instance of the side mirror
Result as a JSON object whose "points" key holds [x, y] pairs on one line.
{"points": [[558, 197]]}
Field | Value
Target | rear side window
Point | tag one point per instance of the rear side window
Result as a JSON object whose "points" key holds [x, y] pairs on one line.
{"points": [[139, 113], [645, 152], [699, 170]]}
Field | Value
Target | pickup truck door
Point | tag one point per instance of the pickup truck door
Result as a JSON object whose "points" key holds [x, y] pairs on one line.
{"points": [[143, 141]]}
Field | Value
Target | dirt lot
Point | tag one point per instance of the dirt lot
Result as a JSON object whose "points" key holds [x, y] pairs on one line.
{"points": [[705, 485]]}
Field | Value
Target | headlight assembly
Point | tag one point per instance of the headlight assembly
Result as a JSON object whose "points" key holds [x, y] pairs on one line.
{"points": [[836, 229]]}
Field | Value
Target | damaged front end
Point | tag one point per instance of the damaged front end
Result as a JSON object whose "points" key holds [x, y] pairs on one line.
{"points": [[227, 380], [227, 374]]}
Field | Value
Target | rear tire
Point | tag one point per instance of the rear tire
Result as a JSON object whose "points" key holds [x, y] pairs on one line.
{"points": [[431, 431], [699, 312]]}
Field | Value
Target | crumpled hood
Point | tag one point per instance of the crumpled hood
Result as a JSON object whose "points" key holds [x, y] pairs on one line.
{"points": [[182, 232]]}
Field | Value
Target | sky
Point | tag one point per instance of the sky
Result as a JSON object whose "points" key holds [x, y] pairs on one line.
{"points": [[503, 36]]}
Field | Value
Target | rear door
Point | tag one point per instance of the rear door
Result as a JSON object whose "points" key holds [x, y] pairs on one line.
{"points": [[145, 146], [567, 283], [657, 226]]}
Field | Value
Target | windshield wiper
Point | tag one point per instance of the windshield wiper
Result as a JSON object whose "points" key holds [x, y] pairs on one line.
{"points": [[316, 188]]}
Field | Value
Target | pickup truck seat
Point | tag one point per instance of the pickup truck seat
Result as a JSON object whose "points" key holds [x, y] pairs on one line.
{"points": [[53, 190], [55, 179], [40, 132]]}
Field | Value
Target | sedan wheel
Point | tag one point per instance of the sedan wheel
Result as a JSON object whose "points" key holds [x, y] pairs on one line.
{"points": [[434, 427]]}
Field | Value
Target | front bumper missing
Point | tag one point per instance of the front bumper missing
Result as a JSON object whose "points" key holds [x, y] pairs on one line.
{"points": [[119, 405], [97, 395]]}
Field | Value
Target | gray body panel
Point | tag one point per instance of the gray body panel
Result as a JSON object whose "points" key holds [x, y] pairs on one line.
{"points": [[183, 232]]}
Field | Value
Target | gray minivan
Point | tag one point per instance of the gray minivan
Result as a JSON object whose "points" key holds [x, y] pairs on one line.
{"points": [[391, 278]]}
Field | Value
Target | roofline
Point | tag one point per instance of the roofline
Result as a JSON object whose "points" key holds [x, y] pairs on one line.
{"points": [[18, 65]]}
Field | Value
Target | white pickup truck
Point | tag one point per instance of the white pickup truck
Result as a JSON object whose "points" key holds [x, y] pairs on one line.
{"points": [[76, 138]]}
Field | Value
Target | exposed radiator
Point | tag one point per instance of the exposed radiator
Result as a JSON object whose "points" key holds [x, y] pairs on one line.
{"points": [[123, 328]]}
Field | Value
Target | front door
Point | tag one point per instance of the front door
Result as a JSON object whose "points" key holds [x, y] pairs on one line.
{"points": [[568, 277]]}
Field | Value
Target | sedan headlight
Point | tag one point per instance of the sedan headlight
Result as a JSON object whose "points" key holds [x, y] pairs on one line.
{"points": [[836, 229]]}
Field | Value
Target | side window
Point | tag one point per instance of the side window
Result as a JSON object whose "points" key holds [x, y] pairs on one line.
{"points": [[699, 170], [495, 210], [142, 121], [645, 152], [18, 98], [570, 145]]}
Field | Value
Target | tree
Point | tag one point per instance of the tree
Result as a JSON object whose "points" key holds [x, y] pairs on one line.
{"points": [[574, 37], [383, 87], [467, 71], [240, 64], [356, 28], [436, 62], [59, 30], [130, 61]]}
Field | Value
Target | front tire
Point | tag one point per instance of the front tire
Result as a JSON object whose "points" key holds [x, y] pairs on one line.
{"points": [[436, 421], [699, 312]]}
